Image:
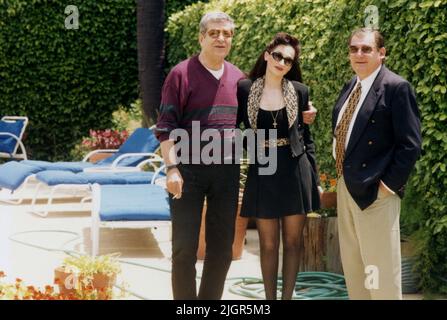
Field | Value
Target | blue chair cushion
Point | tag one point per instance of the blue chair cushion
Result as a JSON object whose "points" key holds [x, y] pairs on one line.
{"points": [[13, 173], [134, 203], [137, 177], [56, 177], [8, 144], [77, 166], [102, 177]]}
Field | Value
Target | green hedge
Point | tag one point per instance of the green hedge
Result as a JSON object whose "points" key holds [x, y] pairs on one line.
{"points": [[173, 6], [66, 81], [416, 42]]}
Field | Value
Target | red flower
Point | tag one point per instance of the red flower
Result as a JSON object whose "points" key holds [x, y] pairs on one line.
{"points": [[105, 139]]}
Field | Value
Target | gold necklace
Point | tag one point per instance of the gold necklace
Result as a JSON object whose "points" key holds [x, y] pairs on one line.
{"points": [[274, 118]]}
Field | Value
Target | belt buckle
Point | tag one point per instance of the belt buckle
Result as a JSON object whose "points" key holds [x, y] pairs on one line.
{"points": [[270, 143]]}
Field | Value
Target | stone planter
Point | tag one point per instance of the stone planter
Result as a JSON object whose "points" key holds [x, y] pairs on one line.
{"points": [[410, 277]]}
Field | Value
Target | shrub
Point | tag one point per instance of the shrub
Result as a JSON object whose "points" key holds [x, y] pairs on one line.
{"points": [[66, 81]]}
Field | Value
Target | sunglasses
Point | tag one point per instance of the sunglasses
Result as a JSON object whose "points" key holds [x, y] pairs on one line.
{"points": [[363, 49], [214, 33], [279, 57]]}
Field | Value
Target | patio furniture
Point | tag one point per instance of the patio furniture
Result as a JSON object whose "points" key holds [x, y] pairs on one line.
{"points": [[138, 150], [128, 206], [56, 180], [12, 129]]}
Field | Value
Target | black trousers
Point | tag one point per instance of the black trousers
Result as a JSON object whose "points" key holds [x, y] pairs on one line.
{"points": [[219, 184]]}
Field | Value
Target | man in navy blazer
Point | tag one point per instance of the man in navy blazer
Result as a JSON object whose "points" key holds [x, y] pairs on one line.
{"points": [[377, 140]]}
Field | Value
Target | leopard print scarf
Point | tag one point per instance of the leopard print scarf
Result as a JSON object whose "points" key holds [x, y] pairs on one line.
{"points": [[254, 100]]}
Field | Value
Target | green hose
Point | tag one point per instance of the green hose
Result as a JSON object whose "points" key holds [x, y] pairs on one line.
{"points": [[308, 286]]}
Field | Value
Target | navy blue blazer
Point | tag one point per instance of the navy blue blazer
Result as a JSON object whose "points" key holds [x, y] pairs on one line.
{"points": [[386, 137]]}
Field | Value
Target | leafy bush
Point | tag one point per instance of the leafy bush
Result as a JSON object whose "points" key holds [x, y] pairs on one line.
{"points": [[128, 118], [66, 81], [173, 6], [124, 122], [416, 44]]}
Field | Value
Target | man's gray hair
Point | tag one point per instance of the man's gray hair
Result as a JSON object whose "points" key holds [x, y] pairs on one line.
{"points": [[217, 16]]}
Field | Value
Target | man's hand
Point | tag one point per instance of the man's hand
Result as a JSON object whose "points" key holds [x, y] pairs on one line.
{"points": [[309, 115], [384, 189], [174, 183]]}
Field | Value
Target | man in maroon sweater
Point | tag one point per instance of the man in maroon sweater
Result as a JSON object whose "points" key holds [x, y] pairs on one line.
{"points": [[201, 88], [201, 91]]}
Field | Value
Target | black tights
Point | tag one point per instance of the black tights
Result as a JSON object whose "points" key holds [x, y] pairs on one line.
{"points": [[292, 231]]}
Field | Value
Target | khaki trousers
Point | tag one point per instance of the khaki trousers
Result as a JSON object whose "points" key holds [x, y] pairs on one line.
{"points": [[370, 246]]}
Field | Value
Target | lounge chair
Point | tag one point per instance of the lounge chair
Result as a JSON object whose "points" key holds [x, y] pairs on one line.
{"points": [[138, 149], [141, 143], [12, 129], [128, 206], [79, 182]]}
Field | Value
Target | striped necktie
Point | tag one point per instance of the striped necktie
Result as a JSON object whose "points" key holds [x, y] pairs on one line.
{"points": [[341, 131]]}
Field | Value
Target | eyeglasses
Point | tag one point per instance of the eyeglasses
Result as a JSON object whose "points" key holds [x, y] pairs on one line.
{"points": [[214, 33], [279, 57], [363, 49]]}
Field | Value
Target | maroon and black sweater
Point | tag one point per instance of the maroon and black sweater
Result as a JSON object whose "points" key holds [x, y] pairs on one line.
{"points": [[192, 93]]}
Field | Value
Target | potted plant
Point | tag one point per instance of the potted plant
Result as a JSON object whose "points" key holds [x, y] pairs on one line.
{"points": [[329, 194], [88, 277]]}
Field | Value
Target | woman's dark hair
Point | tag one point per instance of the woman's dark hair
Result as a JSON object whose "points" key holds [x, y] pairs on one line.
{"points": [[281, 38]]}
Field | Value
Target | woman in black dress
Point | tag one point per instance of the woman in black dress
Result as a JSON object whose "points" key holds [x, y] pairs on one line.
{"points": [[273, 97]]}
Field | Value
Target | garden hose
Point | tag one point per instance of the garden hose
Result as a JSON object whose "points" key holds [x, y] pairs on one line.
{"points": [[308, 286]]}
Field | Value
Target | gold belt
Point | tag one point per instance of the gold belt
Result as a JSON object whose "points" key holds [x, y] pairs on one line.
{"points": [[271, 143]]}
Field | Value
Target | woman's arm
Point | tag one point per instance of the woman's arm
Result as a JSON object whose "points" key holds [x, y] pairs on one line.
{"points": [[307, 136]]}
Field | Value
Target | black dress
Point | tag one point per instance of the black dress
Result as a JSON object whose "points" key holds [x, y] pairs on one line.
{"points": [[292, 189]]}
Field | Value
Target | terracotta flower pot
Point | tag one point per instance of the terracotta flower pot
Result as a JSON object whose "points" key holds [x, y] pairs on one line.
{"points": [[329, 200], [66, 281], [239, 234], [69, 284], [102, 283]]}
